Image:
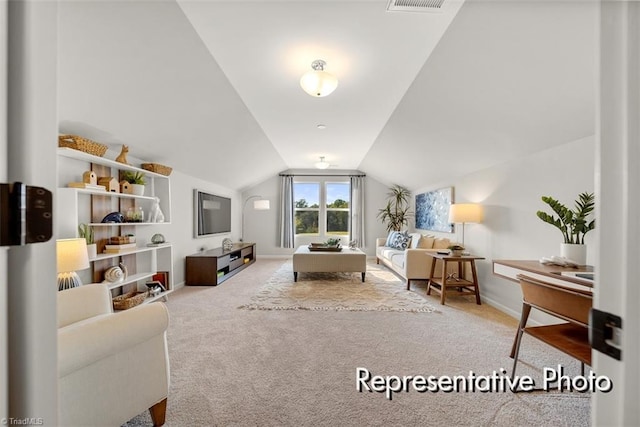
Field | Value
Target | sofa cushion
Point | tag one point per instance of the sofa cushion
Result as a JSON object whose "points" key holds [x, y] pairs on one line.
{"points": [[441, 243], [397, 259], [400, 241], [389, 252], [426, 242]]}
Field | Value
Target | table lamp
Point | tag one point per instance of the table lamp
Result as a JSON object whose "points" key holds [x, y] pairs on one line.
{"points": [[72, 256], [462, 213]]}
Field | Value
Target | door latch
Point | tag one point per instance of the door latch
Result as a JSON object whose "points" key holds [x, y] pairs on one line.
{"points": [[605, 333]]}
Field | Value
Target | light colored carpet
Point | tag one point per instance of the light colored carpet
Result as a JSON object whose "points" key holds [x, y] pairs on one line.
{"points": [[381, 291], [233, 367]]}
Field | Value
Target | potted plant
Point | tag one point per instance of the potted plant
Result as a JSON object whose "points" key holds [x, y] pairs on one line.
{"points": [[456, 250], [137, 181], [333, 242], [396, 214], [86, 232], [574, 224]]}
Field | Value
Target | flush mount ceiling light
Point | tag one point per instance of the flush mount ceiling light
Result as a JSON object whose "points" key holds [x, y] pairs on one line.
{"points": [[318, 82], [322, 164]]}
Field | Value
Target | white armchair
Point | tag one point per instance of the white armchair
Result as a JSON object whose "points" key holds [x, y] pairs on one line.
{"points": [[111, 366]]}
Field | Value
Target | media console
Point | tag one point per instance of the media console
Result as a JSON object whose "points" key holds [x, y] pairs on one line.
{"points": [[212, 267]]}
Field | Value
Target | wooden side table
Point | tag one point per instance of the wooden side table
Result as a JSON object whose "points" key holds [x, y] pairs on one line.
{"points": [[447, 280]]}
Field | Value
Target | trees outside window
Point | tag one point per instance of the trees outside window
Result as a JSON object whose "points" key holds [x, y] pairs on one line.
{"points": [[321, 207]]}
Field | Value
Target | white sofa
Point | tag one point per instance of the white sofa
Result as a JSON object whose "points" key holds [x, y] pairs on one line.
{"points": [[411, 263], [111, 366]]}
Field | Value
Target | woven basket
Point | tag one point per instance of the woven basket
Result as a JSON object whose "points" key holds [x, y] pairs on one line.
{"points": [[157, 168], [128, 300], [82, 144], [118, 240]]}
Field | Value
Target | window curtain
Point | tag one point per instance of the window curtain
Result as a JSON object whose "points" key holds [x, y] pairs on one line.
{"points": [[287, 229], [356, 228]]}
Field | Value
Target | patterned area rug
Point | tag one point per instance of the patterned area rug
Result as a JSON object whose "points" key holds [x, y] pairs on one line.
{"points": [[381, 291]]}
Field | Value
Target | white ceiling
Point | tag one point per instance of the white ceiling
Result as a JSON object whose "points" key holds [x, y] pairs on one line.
{"points": [[211, 87], [265, 47]]}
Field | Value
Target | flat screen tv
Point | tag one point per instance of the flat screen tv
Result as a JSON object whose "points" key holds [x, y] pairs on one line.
{"points": [[212, 214]]}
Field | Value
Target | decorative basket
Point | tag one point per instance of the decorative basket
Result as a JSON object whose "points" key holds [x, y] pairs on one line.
{"points": [[157, 168], [82, 144], [128, 300]]}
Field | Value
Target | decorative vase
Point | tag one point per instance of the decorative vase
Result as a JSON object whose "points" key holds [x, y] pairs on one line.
{"points": [[574, 252], [137, 189], [92, 250]]}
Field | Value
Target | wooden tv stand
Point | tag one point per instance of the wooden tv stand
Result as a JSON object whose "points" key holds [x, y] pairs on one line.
{"points": [[212, 267]]}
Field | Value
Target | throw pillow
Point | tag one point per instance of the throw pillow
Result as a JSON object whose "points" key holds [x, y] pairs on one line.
{"points": [[441, 244], [390, 238], [415, 240], [426, 242], [401, 241]]}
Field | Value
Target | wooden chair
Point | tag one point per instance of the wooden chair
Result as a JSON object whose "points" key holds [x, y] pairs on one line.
{"points": [[571, 305]]}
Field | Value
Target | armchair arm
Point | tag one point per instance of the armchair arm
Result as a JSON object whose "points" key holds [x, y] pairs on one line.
{"points": [[85, 342], [81, 303], [380, 241]]}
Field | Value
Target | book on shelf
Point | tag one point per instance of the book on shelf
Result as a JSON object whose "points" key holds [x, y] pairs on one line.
{"points": [[121, 246], [118, 251], [86, 186]]}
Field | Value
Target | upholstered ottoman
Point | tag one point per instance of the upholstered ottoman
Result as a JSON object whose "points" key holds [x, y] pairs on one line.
{"points": [[347, 260]]}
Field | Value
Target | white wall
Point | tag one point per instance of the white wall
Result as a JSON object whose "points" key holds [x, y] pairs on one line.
{"points": [[262, 227], [510, 194], [180, 232]]}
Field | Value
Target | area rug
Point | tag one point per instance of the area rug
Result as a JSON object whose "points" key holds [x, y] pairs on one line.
{"points": [[381, 291]]}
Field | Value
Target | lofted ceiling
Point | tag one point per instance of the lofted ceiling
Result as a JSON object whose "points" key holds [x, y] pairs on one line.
{"points": [[211, 87]]}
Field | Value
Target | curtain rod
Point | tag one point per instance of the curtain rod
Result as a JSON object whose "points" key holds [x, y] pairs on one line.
{"points": [[320, 174]]}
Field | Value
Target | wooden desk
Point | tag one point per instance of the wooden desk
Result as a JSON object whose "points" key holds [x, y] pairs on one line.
{"points": [[509, 269], [462, 286]]}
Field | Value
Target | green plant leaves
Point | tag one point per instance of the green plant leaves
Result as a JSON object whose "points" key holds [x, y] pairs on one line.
{"points": [[573, 224], [396, 213]]}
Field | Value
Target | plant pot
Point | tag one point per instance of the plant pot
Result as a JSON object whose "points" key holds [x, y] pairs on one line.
{"points": [[574, 252], [456, 252], [137, 189], [92, 250]]}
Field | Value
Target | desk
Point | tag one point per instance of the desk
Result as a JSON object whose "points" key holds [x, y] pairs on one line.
{"points": [[463, 286], [509, 269]]}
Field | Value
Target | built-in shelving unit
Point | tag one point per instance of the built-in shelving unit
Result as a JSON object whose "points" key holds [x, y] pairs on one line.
{"points": [[77, 206]]}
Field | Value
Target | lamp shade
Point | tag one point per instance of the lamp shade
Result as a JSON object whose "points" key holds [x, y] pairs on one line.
{"points": [[318, 82], [465, 213], [261, 205], [72, 255]]}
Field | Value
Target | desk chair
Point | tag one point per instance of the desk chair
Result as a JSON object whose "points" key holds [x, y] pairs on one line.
{"points": [[568, 304]]}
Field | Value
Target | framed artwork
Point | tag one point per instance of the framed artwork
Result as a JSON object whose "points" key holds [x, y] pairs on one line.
{"points": [[432, 210]]}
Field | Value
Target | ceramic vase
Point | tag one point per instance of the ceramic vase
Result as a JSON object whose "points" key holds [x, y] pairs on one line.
{"points": [[574, 252], [92, 250], [137, 189]]}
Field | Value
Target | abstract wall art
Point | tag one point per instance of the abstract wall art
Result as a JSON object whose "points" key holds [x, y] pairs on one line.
{"points": [[432, 210]]}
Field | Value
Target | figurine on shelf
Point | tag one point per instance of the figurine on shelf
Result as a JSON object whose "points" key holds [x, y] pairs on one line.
{"points": [[122, 157], [156, 215], [89, 177]]}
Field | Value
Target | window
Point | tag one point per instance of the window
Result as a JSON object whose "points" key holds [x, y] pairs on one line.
{"points": [[337, 202], [306, 198], [322, 207]]}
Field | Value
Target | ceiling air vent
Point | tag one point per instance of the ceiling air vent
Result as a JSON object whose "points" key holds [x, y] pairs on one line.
{"points": [[415, 5]]}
